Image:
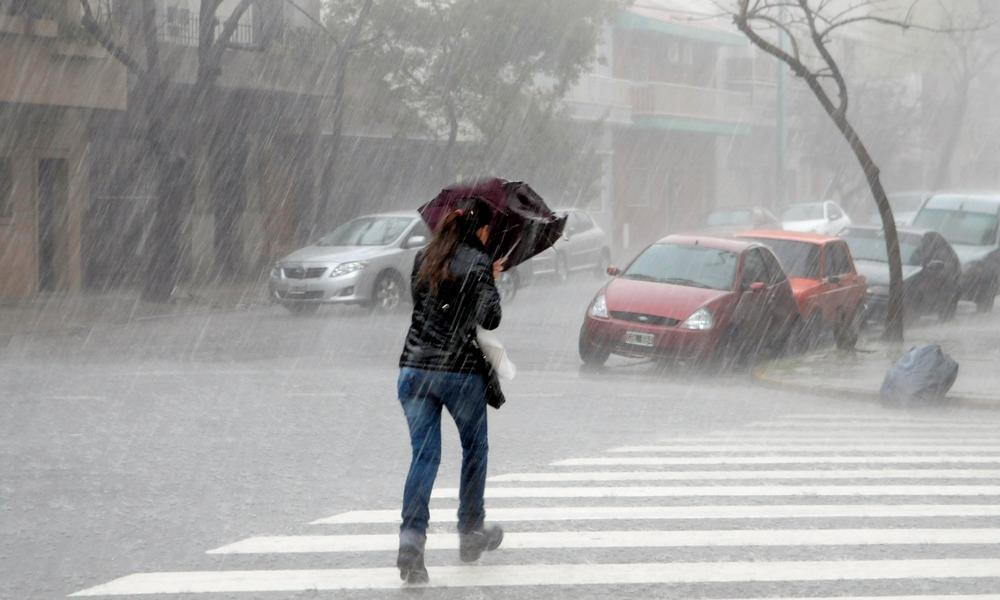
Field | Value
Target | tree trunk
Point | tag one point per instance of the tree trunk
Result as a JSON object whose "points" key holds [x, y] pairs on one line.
{"points": [[894, 311], [942, 175]]}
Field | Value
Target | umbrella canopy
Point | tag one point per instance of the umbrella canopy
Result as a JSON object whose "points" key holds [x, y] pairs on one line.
{"points": [[523, 224]]}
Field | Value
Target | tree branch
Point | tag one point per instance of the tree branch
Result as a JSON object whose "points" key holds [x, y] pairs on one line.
{"points": [[103, 37]]}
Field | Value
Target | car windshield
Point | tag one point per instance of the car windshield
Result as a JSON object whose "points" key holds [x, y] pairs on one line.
{"points": [[722, 218], [694, 266], [905, 202], [959, 226], [366, 231], [803, 212], [798, 259], [869, 244]]}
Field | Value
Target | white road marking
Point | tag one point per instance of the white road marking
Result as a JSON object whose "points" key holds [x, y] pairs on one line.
{"points": [[750, 475], [623, 539], [547, 574], [887, 425], [833, 459], [829, 437], [680, 491], [739, 511], [887, 418], [804, 447]]}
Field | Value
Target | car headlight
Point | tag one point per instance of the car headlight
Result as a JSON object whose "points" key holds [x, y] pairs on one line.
{"points": [[276, 271], [700, 320], [599, 308], [347, 268]]}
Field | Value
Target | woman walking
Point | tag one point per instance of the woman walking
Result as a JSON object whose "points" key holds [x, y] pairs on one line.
{"points": [[453, 286]]}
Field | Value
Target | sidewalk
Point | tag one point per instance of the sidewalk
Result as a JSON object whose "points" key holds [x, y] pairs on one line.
{"points": [[72, 313], [972, 340]]}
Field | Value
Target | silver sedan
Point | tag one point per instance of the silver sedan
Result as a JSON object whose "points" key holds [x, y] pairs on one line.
{"points": [[365, 261]]}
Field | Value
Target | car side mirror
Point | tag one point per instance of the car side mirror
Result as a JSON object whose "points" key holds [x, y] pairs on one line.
{"points": [[935, 265], [416, 241], [614, 271], [757, 287], [833, 279]]}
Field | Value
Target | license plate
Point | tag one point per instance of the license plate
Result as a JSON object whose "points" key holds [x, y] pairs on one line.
{"points": [[297, 289], [638, 338]]}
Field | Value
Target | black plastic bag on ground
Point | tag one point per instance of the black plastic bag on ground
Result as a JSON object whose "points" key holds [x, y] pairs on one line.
{"points": [[923, 374]]}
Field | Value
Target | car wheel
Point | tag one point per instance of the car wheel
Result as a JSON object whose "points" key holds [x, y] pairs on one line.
{"points": [[601, 269], [846, 333], [302, 308], [592, 354], [947, 312], [561, 267], [986, 298], [507, 285], [810, 333], [387, 293]]}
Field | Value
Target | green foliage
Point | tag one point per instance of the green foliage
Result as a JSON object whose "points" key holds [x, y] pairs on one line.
{"points": [[485, 78]]}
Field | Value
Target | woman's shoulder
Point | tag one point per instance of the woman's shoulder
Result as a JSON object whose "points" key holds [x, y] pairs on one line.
{"points": [[468, 257]]}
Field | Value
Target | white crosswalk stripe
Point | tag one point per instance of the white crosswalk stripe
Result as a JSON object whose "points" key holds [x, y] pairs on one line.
{"points": [[821, 488]]}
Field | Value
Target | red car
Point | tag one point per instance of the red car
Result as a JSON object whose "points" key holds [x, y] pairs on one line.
{"points": [[828, 290], [691, 298]]}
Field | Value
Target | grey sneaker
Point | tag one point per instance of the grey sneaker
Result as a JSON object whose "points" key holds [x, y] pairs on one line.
{"points": [[472, 545], [411, 557]]}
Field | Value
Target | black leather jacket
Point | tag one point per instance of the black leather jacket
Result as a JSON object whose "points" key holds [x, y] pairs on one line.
{"points": [[442, 330]]}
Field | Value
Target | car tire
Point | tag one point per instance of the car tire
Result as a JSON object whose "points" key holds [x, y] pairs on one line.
{"points": [[810, 333], [301, 309], [507, 285], [950, 308], [561, 268], [592, 354], [601, 269], [846, 333], [986, 298], [387, 293]]}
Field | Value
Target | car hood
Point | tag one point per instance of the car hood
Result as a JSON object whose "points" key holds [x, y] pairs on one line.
{"points": [[805, 226], [877, 272], [335, 254], [970, 254], [659, 299]]}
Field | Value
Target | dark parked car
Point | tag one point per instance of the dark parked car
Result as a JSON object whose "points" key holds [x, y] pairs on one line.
{"points": [[692, 298], [583, 247], [969, 222], [931, 272]]}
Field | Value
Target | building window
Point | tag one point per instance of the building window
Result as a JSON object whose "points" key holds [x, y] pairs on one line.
{"points": [[674, 52], [689, 54], [6, 189]]}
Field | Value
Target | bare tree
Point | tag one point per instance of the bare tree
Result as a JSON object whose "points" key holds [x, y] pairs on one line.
{"points": [[809, 27], [968, 55], [170, 146]]}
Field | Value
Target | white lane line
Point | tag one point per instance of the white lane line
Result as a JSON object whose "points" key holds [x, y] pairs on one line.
{"points": [[739, 511], [891, 425], [788, 437], [805, 447], [680, 491], [934, 597], [888, 418], [835, 459], [195, 582], [298, 544], [750, 475]]}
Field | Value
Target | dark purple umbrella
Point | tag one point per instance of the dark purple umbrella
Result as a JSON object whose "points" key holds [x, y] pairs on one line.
{"points": [[523, 226]]}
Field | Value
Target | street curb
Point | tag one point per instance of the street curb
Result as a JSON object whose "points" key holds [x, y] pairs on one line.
{"points": [[761, 377]]}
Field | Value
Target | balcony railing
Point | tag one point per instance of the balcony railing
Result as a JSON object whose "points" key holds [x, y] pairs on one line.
{"points": [[656, 99], [185, 32], [601, 91]]}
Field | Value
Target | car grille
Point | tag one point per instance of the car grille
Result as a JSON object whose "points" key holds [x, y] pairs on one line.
{"points": [[302, 272], [644, 319]]}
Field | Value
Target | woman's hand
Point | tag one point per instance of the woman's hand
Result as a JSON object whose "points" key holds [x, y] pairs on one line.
{"points": [[497, 268]]}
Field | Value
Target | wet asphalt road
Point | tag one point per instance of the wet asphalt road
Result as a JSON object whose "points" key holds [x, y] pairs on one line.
{"points": [[137, 448]]}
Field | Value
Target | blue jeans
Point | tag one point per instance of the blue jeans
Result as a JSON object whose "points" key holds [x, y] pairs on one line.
{"points": [[422, 394]]}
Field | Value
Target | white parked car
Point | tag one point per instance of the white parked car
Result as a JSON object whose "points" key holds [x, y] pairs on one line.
{"points": [[825, 218], [583, 247]]}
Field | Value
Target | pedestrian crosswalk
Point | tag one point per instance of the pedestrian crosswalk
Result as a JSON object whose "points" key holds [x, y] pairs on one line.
{"points": [[818, 506]]}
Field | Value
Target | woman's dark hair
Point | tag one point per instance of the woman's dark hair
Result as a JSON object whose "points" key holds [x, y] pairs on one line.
{"points": [[458, 226]]}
